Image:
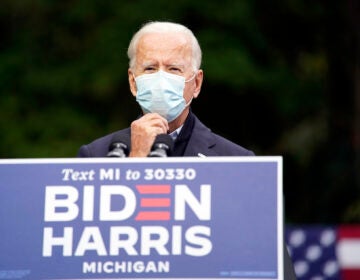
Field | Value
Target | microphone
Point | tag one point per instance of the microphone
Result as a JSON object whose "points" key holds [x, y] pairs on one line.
{"points": [[120, 146], [162, 147]]}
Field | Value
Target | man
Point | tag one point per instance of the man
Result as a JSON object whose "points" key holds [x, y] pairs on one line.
{"points": [[166, 57], [165, 76]]}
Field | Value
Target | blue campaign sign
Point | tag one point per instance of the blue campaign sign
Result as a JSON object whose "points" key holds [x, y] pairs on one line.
{"points": [[172, 218]]}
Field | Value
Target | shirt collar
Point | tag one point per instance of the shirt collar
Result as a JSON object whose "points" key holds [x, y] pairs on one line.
{"points": [[175, 133]]}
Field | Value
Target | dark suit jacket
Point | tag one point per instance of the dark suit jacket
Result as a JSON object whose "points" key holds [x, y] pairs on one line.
{"points": [[202, 141]]}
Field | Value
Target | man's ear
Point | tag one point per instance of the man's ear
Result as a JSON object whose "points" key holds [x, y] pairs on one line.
{"points": [[198, 82], [132, 82]]}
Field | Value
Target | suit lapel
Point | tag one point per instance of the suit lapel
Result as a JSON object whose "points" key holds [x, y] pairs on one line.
{"points": [[201, 141]]}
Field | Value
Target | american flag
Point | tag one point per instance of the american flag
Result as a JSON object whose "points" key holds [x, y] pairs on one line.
{"points": [[324, 252]]}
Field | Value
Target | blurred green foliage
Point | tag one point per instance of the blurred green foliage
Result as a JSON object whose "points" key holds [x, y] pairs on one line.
{"points": [[279, 79]]}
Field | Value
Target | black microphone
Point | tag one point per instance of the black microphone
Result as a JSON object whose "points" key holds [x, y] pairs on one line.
{"points": [[120, 146], [162, 147]]}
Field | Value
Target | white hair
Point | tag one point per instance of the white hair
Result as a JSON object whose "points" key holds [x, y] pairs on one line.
{"points": [[165, 27]]}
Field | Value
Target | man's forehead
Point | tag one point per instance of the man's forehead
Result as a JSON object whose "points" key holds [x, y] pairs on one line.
{"points": [[169, 48], [161, 36], [164, 42]]}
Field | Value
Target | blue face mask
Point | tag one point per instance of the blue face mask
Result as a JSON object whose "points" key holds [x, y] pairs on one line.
{"points": [[161, 93]]}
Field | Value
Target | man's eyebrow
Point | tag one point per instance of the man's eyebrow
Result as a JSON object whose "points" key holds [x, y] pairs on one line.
{"points": [[176, 65], [149, 63]]}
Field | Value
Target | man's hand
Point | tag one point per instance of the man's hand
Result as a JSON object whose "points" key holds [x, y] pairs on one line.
{"points": [[144, 131]]}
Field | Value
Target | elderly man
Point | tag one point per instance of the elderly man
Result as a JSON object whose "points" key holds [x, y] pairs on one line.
{"points": [[165, 76]]}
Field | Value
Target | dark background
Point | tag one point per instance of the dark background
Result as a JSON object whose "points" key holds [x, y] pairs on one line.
{"points": [[281, 78]]}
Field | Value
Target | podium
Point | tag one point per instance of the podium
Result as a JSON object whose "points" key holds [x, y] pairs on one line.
{"points": [[149, 218]]}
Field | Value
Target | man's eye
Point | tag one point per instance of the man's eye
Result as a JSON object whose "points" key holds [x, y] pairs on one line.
{"points": [[175, 70], [150, 69]]}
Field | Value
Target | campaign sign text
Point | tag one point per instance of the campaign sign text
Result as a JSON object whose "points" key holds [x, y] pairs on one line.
{"points": [[175, 218]]}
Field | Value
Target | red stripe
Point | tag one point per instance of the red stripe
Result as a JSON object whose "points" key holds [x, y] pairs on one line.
{"points": [[349, 231], [153, 216], [152, 189], [350, 274], [155, 202]]}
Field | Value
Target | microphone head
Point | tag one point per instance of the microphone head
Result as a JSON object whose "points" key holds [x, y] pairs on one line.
{"points": [[120, 145], [163, 146]]}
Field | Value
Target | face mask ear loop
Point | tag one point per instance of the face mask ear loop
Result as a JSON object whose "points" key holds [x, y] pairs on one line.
{"points": [[191, 77], [132, 73], [188, 104]]}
